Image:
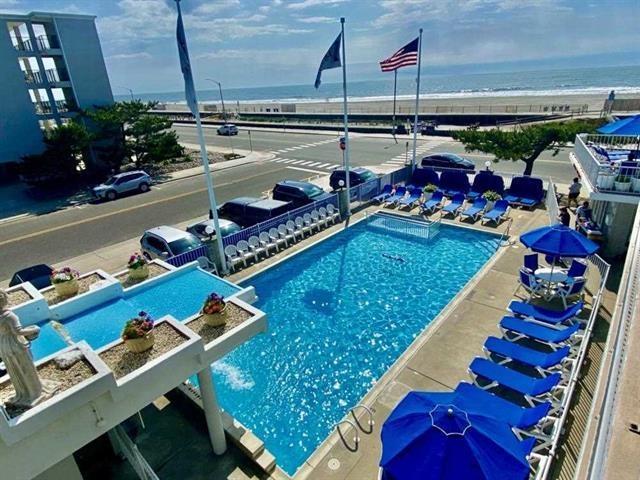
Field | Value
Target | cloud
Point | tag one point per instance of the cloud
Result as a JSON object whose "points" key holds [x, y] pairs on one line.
{"points": [[139, 20], [130, 56], [313, 3], [316, 19], [215, 7]]}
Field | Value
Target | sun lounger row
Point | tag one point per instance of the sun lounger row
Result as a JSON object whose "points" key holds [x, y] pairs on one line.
{"points": [[477, 210], [284, 235]]}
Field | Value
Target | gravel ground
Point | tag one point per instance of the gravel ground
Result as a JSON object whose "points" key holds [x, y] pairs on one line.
{"points": [[65, 379], [192, 160], [18, 296], [154, 271], [123, 362], [235, 316], [84, 283]]}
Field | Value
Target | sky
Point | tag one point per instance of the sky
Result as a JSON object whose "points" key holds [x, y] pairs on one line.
{"points": [[246, 43]]}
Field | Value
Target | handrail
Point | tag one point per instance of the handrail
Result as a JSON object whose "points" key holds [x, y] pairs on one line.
{"points": [[356, 439], [370, 422], [505, 234]]}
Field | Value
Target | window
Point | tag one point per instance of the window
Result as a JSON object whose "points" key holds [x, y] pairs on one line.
{"points": [[156, 244], [184, 244], [312, 191]]}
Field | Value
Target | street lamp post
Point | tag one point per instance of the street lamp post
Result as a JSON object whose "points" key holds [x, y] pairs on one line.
{"points": [[224, 112], [130, 91]]}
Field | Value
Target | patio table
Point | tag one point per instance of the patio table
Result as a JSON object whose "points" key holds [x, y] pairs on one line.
{"points": [[551, 275]]}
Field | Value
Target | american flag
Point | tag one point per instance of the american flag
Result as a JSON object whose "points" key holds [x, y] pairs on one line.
{"points": [[407, 55]]}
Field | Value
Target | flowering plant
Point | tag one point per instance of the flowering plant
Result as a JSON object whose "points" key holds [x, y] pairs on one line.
{"points": [[137, 260], [63, 275], [430, 188], [491, 196], [214, 303], [138, 327]]}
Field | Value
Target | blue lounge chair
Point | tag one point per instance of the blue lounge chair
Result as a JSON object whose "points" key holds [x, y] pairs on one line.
{"points": [[497, 213], [514, 415], [454, 182], [475, 210], [531, 262], [530, 387], [434, 202], [424, 176], [517, 328], [545, 315], [400, 192], [525, 191], [384, 194], [413, 197], [455, 205], [483, 182], [511, 351]]}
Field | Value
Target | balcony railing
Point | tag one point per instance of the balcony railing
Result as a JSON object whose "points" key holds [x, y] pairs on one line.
{"points": [[45, 108], [56, 75], [42, 43], [33, 77], [23, 44], [65, 106], [617, 174]]}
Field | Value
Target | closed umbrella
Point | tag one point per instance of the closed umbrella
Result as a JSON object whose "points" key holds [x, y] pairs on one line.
{"points": [[428, 438], [559, 241]]}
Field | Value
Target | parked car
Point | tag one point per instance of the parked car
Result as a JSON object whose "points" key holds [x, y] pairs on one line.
{"points": [[122, 183], [227, 227], [247, 211], [165, 242], [298, 193], [357, 176], [228, 129], [38, 275], [399, 129], [447, 160]]}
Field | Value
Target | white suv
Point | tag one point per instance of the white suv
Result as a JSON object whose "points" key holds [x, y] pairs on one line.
{"points": [[165, 242], [121, 183], [228, 129]]}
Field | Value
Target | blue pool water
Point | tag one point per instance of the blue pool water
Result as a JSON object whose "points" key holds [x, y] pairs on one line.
{"points": [[180, 295], [340, 313]]}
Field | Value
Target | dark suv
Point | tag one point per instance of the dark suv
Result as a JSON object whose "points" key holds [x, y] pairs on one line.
{"points": [[247, 211], [298, 193], [357, 176], [438, 161]]}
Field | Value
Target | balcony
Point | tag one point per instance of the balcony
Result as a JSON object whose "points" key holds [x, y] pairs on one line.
{"points": [[53, 75], [63, 106], [42, 43], [33, 76], [43, 108], [22, 44], [604, 165]]}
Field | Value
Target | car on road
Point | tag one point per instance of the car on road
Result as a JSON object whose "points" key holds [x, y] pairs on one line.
{"points": [[165, 242], [298, 193], [38, 275], [199, 229], [357, 176], [120, 183], [228, 129], [247, 211], [447, 160]]}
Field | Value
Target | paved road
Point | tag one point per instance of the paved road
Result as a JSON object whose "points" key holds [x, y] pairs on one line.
{"points": [[60, 235]]}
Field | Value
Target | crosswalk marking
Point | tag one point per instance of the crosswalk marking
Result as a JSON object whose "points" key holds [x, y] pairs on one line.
{"points": [[324, 165], [314, 164]]}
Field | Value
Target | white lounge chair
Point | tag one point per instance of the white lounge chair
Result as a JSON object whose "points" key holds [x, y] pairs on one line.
{"points": [[233, 258], [292, 229], [244, 251], [254, 244], [274, 235], [315, 216], [308, 221], [332, 213], [302, 226], [266, 242], [282, 230], [323, 217]]}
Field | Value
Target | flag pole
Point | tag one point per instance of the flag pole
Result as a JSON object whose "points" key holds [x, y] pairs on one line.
{"points": [[213, 207], [415, 121], [346, 121], [393, 121]]}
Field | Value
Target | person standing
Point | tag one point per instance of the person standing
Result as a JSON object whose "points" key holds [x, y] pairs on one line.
{"points": [[574, 192], [563, 216]]}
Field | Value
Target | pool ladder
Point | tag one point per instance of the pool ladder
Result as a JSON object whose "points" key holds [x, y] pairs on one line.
{"points": [[356, 426]]}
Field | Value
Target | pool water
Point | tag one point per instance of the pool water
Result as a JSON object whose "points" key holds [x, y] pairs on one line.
{"points": [[179, 295], [340, 313]]}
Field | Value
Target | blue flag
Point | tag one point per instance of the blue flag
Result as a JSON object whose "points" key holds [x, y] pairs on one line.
{"points": [[185, 65], [331, 59]]}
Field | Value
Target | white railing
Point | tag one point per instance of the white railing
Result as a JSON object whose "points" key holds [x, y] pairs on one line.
{"points": [[552, 203], [131, 453]]}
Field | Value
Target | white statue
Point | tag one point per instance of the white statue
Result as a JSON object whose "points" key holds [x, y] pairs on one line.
{"points": [[15, 353]]}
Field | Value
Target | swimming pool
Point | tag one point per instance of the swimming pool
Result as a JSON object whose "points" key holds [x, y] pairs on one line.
{"points": [[340, 314], [180, 295]]}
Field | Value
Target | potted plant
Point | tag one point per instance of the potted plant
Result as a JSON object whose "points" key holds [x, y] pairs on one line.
{"points": [[214, 310], [623, 183], [635, 184], [138, 266], [606, 178], [428, 190], [65, 281], [138, 333], [491, 197]]}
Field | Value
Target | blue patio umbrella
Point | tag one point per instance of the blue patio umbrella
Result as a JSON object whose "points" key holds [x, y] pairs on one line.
{"points": [[428, 436], [627, 126], [558, 241]]}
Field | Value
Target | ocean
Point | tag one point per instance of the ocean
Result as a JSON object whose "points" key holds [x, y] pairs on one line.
{"points": [[570, 81]]}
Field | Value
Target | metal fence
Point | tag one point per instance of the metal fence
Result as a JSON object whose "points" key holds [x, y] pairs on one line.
{"points": [[363, 193], [551, 203], [274, 222], [187, 257]]}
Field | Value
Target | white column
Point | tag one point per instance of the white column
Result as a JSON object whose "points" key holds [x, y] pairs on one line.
{"points": [[212, 412]]}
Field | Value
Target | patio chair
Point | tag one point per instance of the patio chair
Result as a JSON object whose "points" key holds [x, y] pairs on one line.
{"points": [[454, 206], [454, 182], [309, 222], [284, 233], [434, 202], [233, 258], [302, 226], [570, 289], [576, 269], [291, 228], [514, 415], [244, 251], [475, 210], [206, 264], [499, 375], [267, 243], [324, 219], [396, 197], [535, 313], [258, 249], [531, 262], [515, 329], [332, 213], [409, 201], [275, 237], [530, 283], [508, 351], [497, 213], [424, 176], [315, 216], [384, 194], [525, 191]]}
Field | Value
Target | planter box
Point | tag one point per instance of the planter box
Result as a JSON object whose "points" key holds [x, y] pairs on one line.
{"points": [[605, 181], [622, 186], [157, 268], [33, 310], [635, 184]]}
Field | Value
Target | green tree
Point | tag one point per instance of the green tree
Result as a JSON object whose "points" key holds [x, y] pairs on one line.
{"points": [[525, 143]]}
